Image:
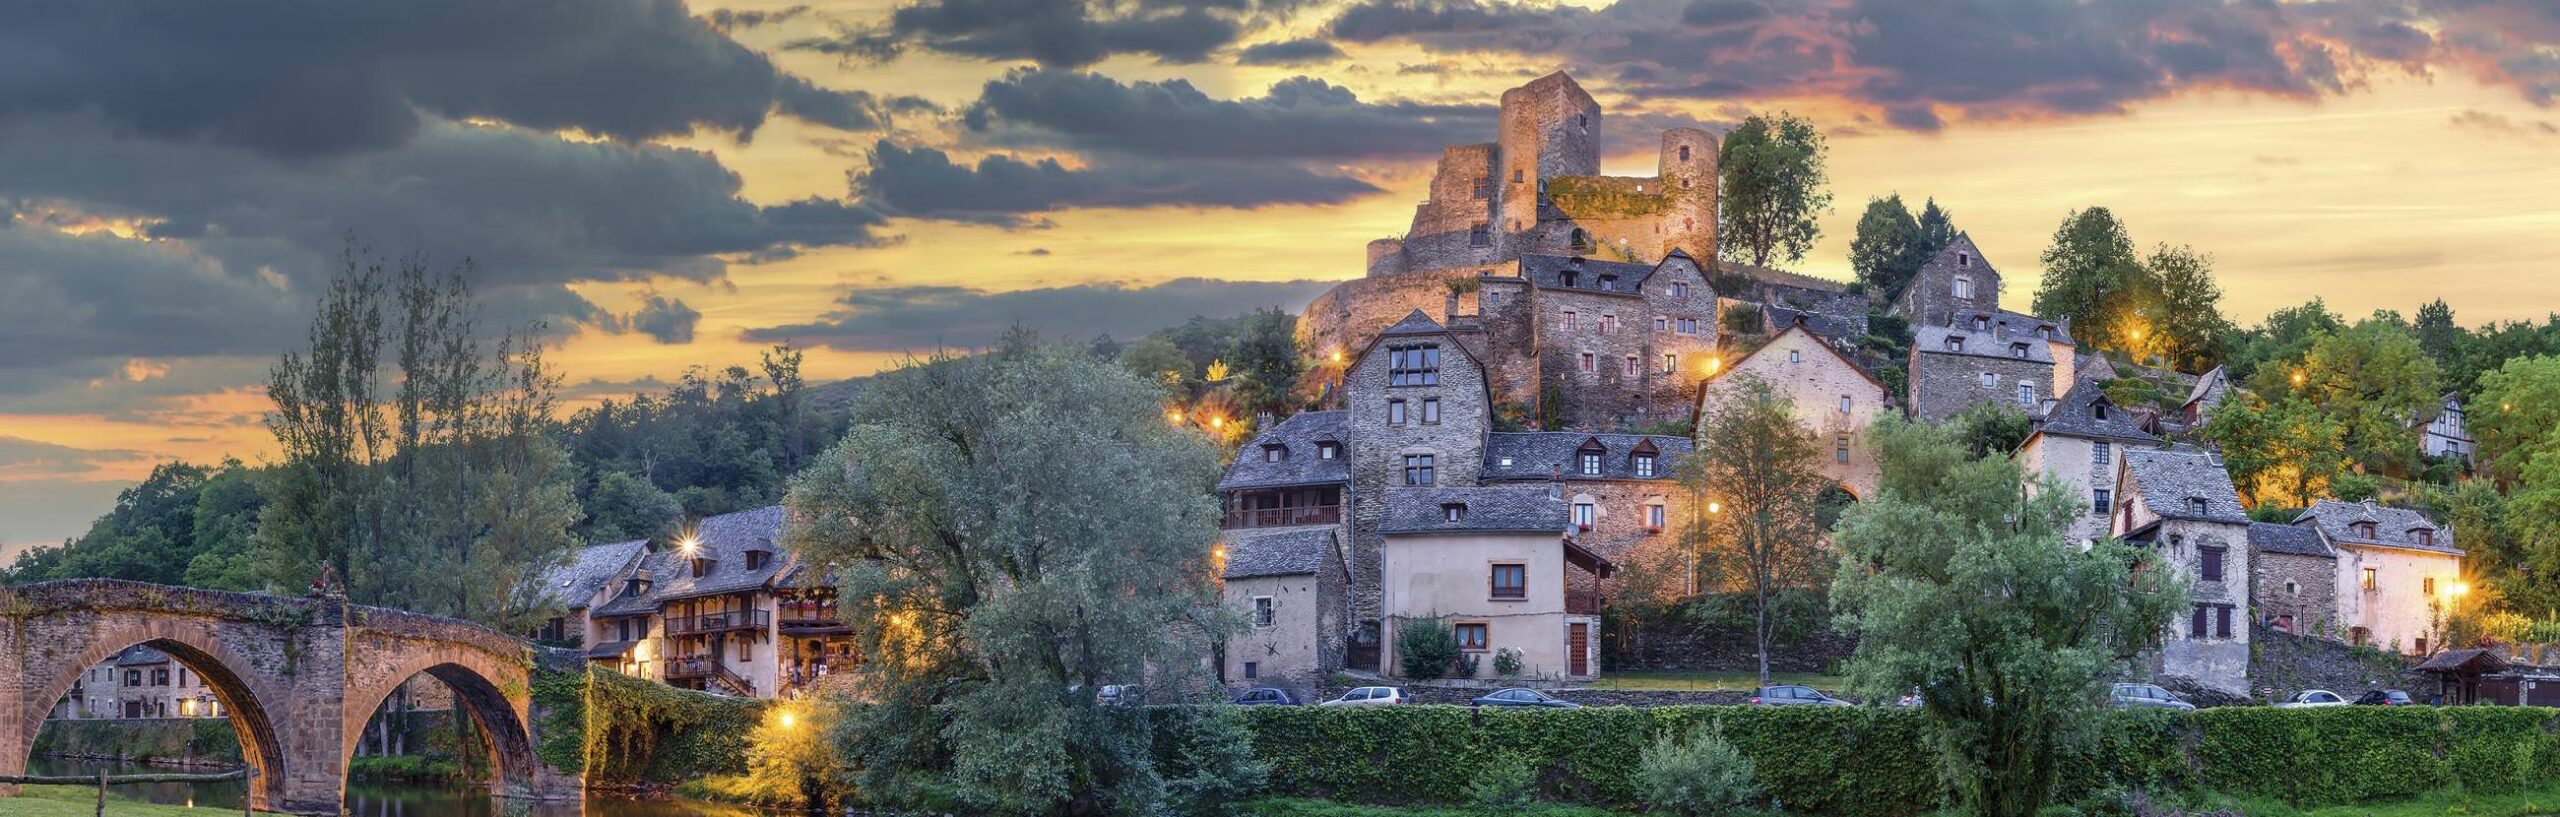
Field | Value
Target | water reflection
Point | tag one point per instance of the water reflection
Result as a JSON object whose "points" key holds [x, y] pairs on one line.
{"points": [[387, 800]]}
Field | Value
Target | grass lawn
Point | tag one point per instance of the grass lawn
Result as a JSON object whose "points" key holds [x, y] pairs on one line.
{"points": [[82, 801], [2543, 803], [1712, 681], [1295, 807]]}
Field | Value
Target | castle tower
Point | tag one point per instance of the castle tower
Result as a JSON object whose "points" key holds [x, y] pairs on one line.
{"points": [[1548, 128], [1688, 168]]}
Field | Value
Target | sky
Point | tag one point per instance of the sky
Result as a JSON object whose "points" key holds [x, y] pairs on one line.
{"points": [[669, 185]]}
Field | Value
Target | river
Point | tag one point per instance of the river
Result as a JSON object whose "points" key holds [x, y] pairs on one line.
{"points": [[385, 799]]}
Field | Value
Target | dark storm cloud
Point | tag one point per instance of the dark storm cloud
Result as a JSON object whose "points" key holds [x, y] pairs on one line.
{"points": [[890, 319], [733, 19], [1298, 118], [312, 77], [1289, 52], [1056, 33], [72, 308], [670, 321], [925, 182]]}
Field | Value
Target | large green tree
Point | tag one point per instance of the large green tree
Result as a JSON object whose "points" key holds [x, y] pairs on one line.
{"points": [[2282, 452], [719, 440], [2374, 380], [1961, 583], [1757, 464], [1937, 228], [1011, 531], [1889, 247], [2094, 278], [2188, 328], [1774, 190], [2516, 416]]}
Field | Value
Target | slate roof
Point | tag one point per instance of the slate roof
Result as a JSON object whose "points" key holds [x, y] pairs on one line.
{"points": [[588, 569], [2170, 479], [2075, 416], [2392, 526], [1537, 454], [1519, 509], [2091, 365], [725, 539], [1298, 551], [2205, 385], [2295, 539], [140, 656], [2012, 325], [1547, 271], [1991, 344], [1839, 328], [1414, 323], [1299, 463]]}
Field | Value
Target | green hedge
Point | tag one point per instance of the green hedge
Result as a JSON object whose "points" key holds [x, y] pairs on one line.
{"points": [[202, 740], [1871, 762]]}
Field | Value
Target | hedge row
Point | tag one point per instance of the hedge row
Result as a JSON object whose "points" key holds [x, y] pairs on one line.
{"points": [[198, 740], [1871, 762]]}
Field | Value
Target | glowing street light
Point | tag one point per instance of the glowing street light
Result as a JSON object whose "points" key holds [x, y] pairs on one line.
{"points": [[1337, 355], [2457, 590], [1714, 364], [786, 719], [1715, 507]]}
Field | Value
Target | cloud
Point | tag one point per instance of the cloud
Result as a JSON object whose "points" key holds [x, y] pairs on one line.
{"points": [[1298, 118], [735, 19], [913, 318], [1289, 52], [310, 77], [1053, 33], [23, 459], [2504, 125], [44, 512], [925, 182], [669, 321]]}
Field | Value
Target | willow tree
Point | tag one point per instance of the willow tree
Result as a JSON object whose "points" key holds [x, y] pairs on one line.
{"points": [[1011, 531], [1961, 582]]}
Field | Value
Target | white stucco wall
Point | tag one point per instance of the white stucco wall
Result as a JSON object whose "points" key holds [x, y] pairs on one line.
{"points": [[1284, 653], [1448, 575], [2397, 612]]}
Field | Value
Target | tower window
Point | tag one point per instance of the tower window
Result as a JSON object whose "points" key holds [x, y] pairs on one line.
{"points": [[1414, 366], [1684, 153], [1418, 470], [1964, 259], [1515, 175]]}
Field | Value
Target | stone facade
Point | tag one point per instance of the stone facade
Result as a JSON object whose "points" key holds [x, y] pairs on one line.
{"points": [[1390, 422], [1958, 279], [1954, 367], [1833, 398], [1288, 584], [2297, 593], [2398, 573], [2181, 505]]}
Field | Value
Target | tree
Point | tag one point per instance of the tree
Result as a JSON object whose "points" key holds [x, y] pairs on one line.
{"points": [[1757, 463], [1773, 189], [2374, 381], [2280, 342], [719, 440], [1889, 247], [2282, 452], [1011, 531], [1991, 428], [1962, 585], [1265, 354], [2093, 278], [2516, 416], [1937, 229], [1158, 360], [2442, 339], [626, 507], [2189, 329]]}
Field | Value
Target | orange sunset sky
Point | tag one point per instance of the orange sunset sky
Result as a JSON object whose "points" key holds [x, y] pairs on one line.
{"points": [[672, 185]]}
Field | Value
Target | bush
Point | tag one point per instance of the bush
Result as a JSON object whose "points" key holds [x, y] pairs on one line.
{"points": [[1426, 647], [1206, 759], [1506, 662], [1702, 776], [1507, 781]]}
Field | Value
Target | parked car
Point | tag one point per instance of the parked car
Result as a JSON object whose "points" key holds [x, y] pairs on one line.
{"points": [[2312, 698], [1794, 695], [1123, 695], [1369, 696], [2386, 697], [1524, 696], [1266, 696], [2146, 696]]}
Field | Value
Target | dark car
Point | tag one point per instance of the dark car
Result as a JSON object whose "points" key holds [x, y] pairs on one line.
{"points": [[2386, 697], [2146, 696], [1794, 695], [1523, 696], [1266, 696]]}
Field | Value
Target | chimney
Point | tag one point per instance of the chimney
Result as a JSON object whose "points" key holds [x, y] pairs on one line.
{"points": [[1449, 313], [1555, 482]]}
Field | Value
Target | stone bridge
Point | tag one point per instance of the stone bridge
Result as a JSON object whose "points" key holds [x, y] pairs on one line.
{"points": [[298, 677]]}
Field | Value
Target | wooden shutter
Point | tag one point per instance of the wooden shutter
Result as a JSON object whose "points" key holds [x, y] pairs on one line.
{"points": [[2195, 623], [2222, 621]]}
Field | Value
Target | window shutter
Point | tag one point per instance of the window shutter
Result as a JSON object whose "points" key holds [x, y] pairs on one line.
{"points": [[2195, 623], [2222, 622]]}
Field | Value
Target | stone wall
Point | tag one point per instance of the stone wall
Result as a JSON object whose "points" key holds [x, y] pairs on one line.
{"points": [[2286, 664], [1456, 444], [1944, 384], [1800, 368], [1284, 654], [1672, 642], [2304, 588], [1606, 330]]}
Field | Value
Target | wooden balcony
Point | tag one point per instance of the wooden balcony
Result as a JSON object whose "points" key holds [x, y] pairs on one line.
{"points": [[1581, 603], [718, 622], [689, 669], [1284, 517]]}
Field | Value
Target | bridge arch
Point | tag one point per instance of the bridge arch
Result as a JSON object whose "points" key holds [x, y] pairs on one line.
{"points": [[480, 688], [234, 682]]}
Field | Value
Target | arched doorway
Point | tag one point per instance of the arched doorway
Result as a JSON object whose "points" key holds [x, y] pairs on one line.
{"points": [[188, 672]]}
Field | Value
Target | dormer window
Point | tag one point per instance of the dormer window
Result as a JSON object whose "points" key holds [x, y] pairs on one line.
{"points": [[1569, 278], [1643, 465], [1591, 463], [2044, 332], [2196, 505], [2098, 410], [701, 567], [2425, 536], [2018, 350], [1275, 453], [1453, 512], [1328, 450], [757, 559], [1608, 283], [1955, 344], [2365, 529], [1981, 324]]}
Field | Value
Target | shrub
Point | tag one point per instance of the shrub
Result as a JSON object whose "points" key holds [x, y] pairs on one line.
{"points": [[1702, 776], [1206, 759], [1507, 781], [1426, 647], [1506, 662]]}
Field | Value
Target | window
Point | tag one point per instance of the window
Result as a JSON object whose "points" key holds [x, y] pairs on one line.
{"points": [[2292, 589], [2018, 350], [1634, 369], [757, 558], [2427, 586], [1608, 283], [2044, 332], [1584, 513], [2422, 645], [1430, 411], [1990, 380], [2026, 393], [1569, 315], [1955, 344], [1453, 512], [2222, 621], [624, 630], [2368, 579], [1590, 463], [2098, 410], [2101, 500], [1489, 298], [1479, 236], [1688, 326], [2210, 568], [2364, 529], [2196, 505], [1680, 290], [1670, 363], [1653, 517], [1795, 356], [1581, 238], [1262, 609], [1981, 324], [1844, 404], [160, 677], [1510, 581], [1661, 324], [1608, 323], [746, 650], [1590, 363], [1472, 637], [1515, 175], [1684, 153], [1395, 412], [1840, 449], [1252, 670], [1273, 453], [1644, 465], [1964, 259], [2425, 536], [1417, 470], [2209, 621], [2101, 454], [133, 677], [1414, 366], [1964, 287], [701, 568], [1327, 450]]}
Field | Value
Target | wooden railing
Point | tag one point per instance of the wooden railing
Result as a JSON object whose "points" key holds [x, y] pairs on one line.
{"points": [[686, 669], [718, 622], [1284, 517], [1581, 602]]}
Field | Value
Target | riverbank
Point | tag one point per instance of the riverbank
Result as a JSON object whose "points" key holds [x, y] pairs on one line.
{"points": [[82, 801]]}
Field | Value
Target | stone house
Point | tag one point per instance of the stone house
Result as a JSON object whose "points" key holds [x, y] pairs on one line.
{"points": [[2212, 387], [2180, 504], [2294, 579], [2398, 572], [722, 608], [2077, 440], [1620, 499], [1956, 280], [577, 585], [139, 682], [2444, 435], [1989, 357], [1496, 564], [1833, 397], [1289, 584]]}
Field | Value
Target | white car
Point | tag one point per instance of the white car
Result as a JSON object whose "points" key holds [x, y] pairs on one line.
{"points": [[2311, 698], [1368, 696]]}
